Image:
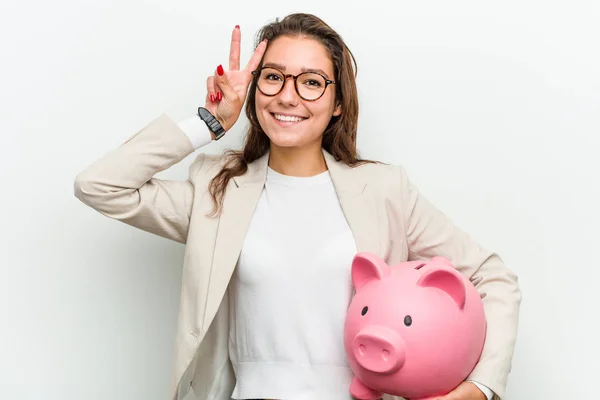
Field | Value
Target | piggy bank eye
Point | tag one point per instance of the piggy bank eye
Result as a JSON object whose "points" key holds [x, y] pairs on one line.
{"points": [[364, 310], [408, 320]]}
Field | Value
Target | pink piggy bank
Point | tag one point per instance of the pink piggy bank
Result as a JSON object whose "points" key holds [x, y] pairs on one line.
{"points": [[414, 330]]}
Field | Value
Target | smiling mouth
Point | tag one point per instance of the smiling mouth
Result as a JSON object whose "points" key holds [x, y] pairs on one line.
{"points": [[287, 119]]}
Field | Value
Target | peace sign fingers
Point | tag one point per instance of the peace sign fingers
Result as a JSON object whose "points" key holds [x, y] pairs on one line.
{"points": [[234, 50], [256, 56]]}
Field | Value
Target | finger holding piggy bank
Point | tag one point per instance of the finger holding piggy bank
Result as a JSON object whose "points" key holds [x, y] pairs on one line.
{"points": [[414, 330]]}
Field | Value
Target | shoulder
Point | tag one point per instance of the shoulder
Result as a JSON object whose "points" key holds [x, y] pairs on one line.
{"points": [[207, 166], [384, 180], [379, 173], [211, 160], [388, 185]]}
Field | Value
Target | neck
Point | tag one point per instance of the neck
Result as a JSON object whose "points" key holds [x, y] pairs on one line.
{"points": [[294, 161]]}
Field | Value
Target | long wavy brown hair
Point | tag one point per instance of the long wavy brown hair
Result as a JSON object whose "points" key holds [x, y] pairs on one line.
{"points": [[339, 138]]}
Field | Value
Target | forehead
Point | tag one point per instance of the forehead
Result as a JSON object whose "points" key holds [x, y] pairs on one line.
{"points": [[298, 53]]}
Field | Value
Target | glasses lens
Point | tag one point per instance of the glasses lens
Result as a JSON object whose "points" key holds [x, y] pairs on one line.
{"points": [[270, 81], [310, 85]]}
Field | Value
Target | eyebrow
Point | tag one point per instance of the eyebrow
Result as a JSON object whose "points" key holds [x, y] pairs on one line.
{"points": [[304, 69]]}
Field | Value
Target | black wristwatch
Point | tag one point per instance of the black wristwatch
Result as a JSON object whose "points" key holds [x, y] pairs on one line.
{"points": [[211, 122]]}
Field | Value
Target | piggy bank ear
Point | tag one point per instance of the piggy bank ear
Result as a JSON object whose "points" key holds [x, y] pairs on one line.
{"points": [[367, 267], [446, 279]]}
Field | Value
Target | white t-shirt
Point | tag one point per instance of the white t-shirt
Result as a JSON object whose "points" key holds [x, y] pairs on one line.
{"points": [[290, 292]]}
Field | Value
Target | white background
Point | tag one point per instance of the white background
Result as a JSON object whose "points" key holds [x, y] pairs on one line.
{"points": [[492, 108]]}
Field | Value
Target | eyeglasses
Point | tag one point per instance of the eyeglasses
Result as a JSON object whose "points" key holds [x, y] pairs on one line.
{"points": [[310, 86]]}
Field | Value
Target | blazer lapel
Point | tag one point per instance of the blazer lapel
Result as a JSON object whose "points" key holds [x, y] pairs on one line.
{"points": [[239, 203], [357, 203]]}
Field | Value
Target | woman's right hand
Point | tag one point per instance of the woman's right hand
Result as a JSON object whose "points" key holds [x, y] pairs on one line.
{"points": [[227, 90]]}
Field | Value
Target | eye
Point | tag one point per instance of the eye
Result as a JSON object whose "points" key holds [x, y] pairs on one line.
{"points": [[364, 310], [313, 82], [408, 320], [272, 77]]}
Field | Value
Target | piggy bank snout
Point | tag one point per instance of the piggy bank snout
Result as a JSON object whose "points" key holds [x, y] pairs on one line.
{"points": [[379, 349]]}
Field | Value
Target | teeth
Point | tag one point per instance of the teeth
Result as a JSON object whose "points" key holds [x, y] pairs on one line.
{"points": [[287, 118]]}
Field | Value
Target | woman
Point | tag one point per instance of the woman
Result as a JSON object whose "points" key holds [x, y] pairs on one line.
{"points": [[270, 231]]}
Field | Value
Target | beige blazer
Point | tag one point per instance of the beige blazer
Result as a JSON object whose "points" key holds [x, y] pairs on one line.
{"points": [[386, 214]]}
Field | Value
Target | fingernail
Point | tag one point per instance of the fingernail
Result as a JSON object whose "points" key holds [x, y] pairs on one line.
{"points": [[237, 27], [219, 96], [220, 70], [212, 98]]}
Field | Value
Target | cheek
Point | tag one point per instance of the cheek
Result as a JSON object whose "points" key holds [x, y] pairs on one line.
{"points": [[321, 113], [259, 103], [324, 108], [259, 108]]}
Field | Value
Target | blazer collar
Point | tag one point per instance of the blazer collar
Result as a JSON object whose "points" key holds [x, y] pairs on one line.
{"points": [[345, 179], [256, 173]]}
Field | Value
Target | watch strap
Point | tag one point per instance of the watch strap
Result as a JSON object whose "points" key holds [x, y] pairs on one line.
{"points": [[211, 122]]}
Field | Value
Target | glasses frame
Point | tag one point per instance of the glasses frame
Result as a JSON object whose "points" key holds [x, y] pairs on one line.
{"points": [[257, 72]]}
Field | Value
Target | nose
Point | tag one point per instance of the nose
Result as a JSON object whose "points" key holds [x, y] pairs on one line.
{"points": [[379, 349], [288, 94]]}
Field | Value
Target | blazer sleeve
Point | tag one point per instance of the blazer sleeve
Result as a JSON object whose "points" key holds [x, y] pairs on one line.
{"points": [[430, 232], [121, 184]]}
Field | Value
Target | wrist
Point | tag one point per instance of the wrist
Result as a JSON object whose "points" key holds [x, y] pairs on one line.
{"points": [[215, 126], [481, 390]]}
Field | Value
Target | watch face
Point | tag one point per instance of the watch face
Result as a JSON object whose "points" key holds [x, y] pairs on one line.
{"points": [[204, 113], [212, 123]]}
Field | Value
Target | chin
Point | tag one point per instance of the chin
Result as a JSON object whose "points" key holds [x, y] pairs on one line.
{"points": [[287, 139]]}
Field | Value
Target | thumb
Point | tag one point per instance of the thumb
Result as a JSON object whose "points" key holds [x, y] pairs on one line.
{"points": [[222, 80]]}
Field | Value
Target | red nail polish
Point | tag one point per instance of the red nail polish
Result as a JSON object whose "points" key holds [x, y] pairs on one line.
{"points": [[219, 96], [220, 70], [212, 98], [237, 27]]}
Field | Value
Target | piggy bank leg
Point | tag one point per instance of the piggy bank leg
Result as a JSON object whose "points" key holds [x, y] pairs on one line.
{"points": [[359, 391]]}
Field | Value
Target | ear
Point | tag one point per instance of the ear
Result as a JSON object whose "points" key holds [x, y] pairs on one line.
{"points": [[337, 111], [367, 267], [448, 280]]}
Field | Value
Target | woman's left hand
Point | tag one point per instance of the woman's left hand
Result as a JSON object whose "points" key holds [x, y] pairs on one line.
{"points": [[464, 391]]}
